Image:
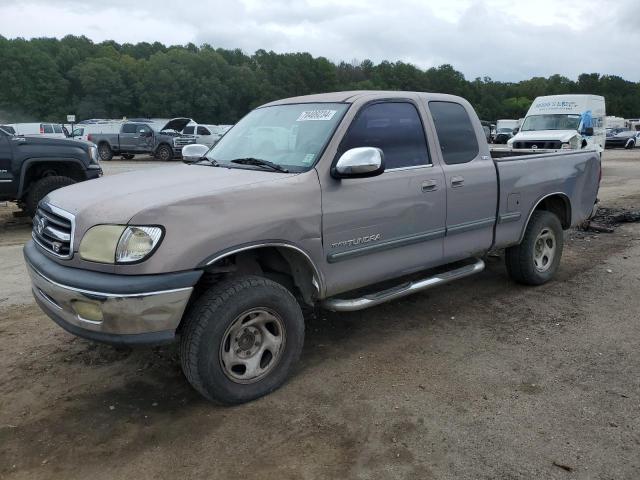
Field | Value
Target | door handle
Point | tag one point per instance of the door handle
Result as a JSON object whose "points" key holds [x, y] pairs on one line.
{"points": [[457, 181], [429, 185]]}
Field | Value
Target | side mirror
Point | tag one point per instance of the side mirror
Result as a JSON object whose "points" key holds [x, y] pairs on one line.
{"points": [[359, 162], [193, 152], [588, 131]]}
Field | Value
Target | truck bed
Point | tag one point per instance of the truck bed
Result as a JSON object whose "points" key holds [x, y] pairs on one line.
{"points": [[526, 179]]}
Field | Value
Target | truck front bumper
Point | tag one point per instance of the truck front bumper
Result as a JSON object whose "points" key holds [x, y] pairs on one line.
{"points": [[108, 308]]}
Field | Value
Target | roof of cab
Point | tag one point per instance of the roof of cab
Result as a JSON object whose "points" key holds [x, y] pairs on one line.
{"points": [[353, 95]]}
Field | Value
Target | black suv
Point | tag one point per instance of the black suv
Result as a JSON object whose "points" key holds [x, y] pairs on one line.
{"points": [[31, 167]]}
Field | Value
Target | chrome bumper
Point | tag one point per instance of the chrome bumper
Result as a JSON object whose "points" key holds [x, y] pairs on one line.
{"points": [[138, 318]]}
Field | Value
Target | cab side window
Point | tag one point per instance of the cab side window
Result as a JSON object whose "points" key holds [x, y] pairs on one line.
{"points": [[188, 130], [203, 131], [393, 127], [47, 128], [457, 137], [129, 128], [143, 129]]}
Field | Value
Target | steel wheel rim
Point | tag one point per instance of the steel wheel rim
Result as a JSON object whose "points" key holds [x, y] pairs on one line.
{"points": [[252, 345], [164, 154], [544, 250], [104, 152]]}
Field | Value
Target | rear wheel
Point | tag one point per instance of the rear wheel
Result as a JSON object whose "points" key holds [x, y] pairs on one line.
{"points": [[535, 261], [241, 339], [42, 188], [164, 153], [105, 152]]}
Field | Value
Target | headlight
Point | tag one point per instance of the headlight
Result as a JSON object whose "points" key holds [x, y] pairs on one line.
{"points": [[119, 243], [93, 155]]}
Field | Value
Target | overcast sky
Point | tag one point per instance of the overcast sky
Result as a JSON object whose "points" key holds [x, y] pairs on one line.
{"points": [[507, 40]]}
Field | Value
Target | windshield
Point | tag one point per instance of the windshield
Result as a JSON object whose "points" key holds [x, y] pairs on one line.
{"points": [[291, 136], [560, 121]]}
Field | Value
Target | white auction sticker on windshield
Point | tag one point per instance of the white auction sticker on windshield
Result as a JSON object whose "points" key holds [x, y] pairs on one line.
{"points": [[316, 115]]}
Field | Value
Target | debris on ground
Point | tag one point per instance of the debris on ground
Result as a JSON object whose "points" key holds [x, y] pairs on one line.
{"points": [[566, 468], [607, 219]]}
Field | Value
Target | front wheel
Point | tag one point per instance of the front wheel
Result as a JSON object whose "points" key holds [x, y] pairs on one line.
{"points": [[241, 339], [42, 188], [164, 153], [536, 260]]}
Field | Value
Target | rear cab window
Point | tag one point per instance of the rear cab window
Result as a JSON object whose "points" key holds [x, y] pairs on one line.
{"points": [[395, 128], [455, 131]]}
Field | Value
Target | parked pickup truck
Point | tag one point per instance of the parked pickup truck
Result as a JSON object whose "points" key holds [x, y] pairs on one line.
{"points": [[142, 137], [373, 196], [32, 167]]}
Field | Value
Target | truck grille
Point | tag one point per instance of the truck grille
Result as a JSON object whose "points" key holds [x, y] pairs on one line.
{"points": [[546, 144], [53, 230], [182, 141]]}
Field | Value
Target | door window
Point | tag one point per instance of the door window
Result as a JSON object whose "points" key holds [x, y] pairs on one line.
{"points": [[47, 128], [143, 129], [57, 128], [203, 131], [393, 127], [129, 128], [457, 137], [188, 130]]}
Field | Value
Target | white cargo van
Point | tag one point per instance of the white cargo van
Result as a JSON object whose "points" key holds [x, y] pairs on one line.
{"points": [[563, 122], [53, 130]]}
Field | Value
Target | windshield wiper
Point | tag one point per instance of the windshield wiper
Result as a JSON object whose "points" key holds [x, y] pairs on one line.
{"points": [[259, 163], [206, 161]]}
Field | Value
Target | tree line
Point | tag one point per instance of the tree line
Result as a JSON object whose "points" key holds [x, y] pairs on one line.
{"points": [[48, 78]]}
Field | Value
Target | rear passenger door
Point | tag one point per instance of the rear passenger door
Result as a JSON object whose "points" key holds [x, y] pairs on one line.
{"points": [[470, 178], [129, 137], [391, 224]]}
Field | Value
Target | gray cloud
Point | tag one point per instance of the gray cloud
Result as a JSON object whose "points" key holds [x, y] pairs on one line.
{"points": [[504, 39]]}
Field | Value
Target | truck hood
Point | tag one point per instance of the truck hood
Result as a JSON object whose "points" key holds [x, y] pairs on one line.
{"points": [[117, 198], [176, 124], [561, 135]]}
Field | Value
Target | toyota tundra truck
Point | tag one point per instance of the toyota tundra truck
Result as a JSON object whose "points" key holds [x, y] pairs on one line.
{"points": [[353, 199]]}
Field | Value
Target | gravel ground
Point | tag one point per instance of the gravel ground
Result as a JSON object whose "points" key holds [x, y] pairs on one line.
{"points": [[478, 379]]}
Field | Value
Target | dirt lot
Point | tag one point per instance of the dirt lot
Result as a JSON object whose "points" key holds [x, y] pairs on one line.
{"points": [[478, 379]]}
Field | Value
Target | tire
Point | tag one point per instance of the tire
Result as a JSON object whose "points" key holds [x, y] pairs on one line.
{"points": [[105, 152], [127, 156], [630, 145], [526, 262], [42, 188], [164, 153], [217, 349]]}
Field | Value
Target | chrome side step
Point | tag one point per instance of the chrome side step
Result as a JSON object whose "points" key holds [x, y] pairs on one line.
{"points": [[373, 299]]}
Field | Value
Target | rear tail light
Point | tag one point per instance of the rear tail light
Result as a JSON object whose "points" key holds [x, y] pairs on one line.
{"points": [[41, 129]]}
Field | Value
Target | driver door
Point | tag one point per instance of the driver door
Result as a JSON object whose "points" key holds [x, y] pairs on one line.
{"points": [[392, 224]]}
